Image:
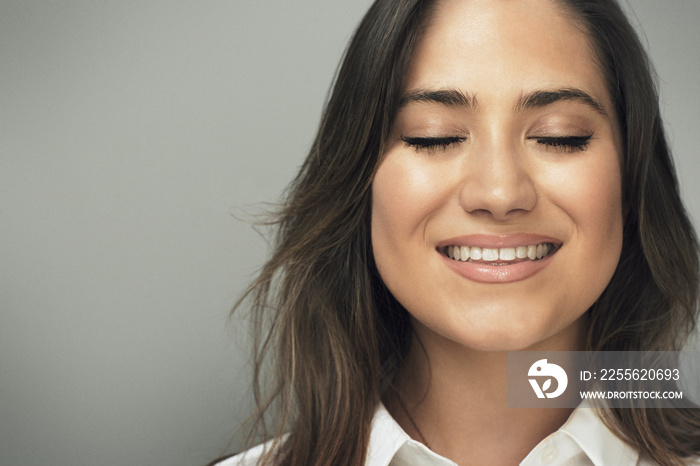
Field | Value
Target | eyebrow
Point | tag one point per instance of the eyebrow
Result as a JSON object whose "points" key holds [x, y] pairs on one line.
{"points": [[542, 98], [526, 101], [448, 97]]}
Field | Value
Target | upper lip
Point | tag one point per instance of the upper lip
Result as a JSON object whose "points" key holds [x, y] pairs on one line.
{"points": [[499, 241]]}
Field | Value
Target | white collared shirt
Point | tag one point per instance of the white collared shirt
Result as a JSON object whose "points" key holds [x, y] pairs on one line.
{"points": [[583, 440]]}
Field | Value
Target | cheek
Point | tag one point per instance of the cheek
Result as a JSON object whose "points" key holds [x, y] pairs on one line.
{"points": [[589, 193], [405, 193]]}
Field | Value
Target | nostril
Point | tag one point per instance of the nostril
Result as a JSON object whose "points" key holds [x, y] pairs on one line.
{"points": [[498, 190]]}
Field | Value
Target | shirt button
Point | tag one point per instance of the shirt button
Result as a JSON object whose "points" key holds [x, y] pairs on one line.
{"points": [[549, 455]]}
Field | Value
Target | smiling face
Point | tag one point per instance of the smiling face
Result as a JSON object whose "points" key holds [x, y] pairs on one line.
{"points": [[496, 215]]}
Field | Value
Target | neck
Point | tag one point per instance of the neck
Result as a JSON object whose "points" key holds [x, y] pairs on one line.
{"points": [[455, 400]]}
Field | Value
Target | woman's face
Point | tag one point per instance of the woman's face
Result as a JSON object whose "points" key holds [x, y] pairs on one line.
{"points": [[505, 149]]}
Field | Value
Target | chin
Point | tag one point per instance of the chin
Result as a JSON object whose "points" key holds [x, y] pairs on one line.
{"points": [[507, 333], [539, 338], [497, 341]]}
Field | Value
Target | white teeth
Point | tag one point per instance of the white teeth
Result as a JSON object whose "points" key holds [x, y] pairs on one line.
{"points": [[506, 254], [489, 254], [532, 252], [474, 253]]}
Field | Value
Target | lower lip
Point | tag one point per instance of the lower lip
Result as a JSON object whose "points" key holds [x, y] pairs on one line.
{"points": [[486, 273]]}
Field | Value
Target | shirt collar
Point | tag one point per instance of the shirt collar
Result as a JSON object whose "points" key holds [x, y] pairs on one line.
{"points": [[583, 440], [594, 438], [389, 442]]}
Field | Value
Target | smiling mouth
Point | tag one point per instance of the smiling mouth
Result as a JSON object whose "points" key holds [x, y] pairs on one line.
{"points": [[499, 256]]}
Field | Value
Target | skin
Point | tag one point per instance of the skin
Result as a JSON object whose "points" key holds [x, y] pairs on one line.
{"points": [[500, 180]]}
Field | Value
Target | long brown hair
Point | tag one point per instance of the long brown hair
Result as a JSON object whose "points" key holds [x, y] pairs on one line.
{"points": [[332, 332], [651, 302]]}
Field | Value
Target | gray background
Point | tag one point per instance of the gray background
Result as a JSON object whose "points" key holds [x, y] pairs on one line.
{"points": [[134, 135]]}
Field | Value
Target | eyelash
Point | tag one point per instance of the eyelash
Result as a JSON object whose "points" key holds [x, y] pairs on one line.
{"points": [[432, 144], [567, 144]]}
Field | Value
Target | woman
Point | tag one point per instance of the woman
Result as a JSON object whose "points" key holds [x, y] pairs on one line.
{"points": [[488, 176]]}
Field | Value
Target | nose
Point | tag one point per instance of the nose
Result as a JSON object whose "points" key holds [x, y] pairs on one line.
{"points": [[497, 182]]}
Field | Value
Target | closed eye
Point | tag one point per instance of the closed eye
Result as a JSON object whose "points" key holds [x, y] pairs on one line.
{"points": [[564, 143], [431, 144]]}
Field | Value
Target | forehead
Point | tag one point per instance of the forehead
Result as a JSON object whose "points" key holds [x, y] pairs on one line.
{"points": [[500, 47]]}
